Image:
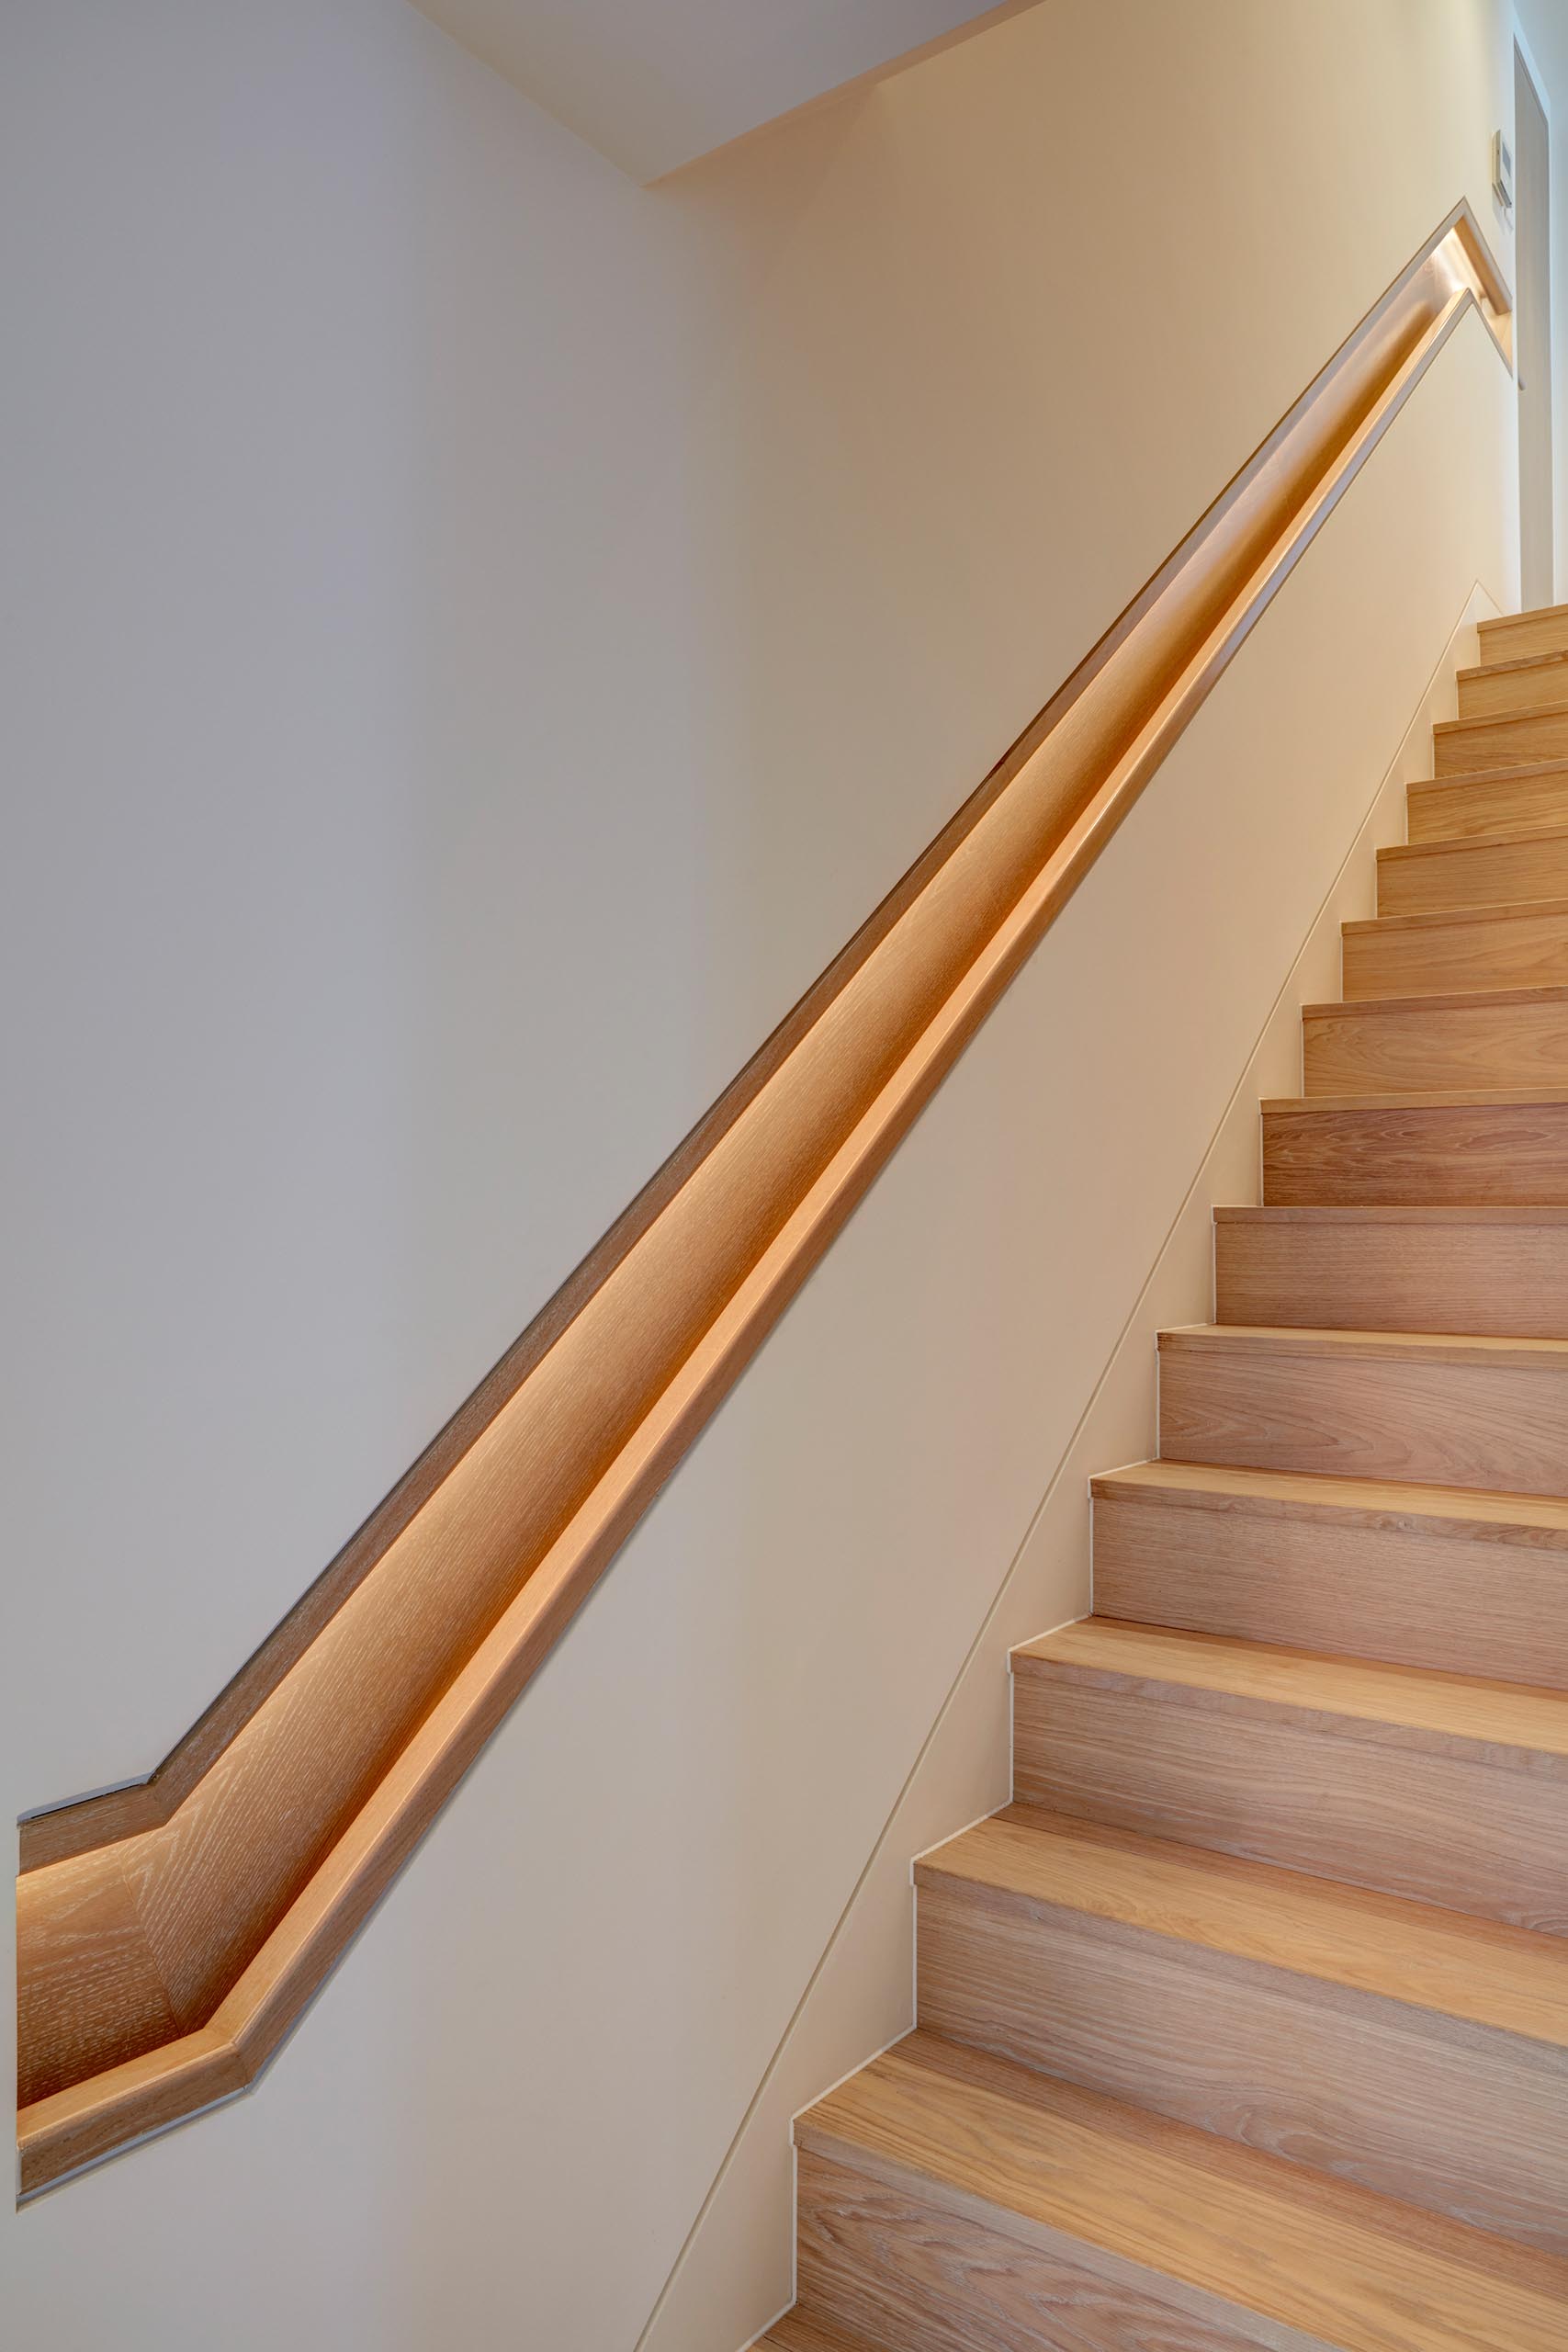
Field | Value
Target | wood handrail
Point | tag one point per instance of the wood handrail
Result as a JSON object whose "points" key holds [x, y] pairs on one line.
{"points": [[170, 1933]]}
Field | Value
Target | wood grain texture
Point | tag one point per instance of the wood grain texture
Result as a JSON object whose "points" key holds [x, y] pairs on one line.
{"points": [[1470, 1718], [1462, 1583], [1513, 637], [1286, 1874], [1458, 1972], [1450, 951], [1469, 2123], [1520, 682], [1478, 1149], [1498, 1271], [929, 2269], [293, 1808], [1226, 2236], [793, 2334], [1461, 1412], [1471, 746], [1422, 878], [1533, 798], [1280, 1756], [1422, 1045]]}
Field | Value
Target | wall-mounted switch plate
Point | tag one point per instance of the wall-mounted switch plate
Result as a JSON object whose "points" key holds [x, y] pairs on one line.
{"points": [[1502, 171]]}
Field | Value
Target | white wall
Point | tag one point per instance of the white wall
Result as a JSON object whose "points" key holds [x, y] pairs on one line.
{"points": [[1544, 24], [484, 635], [657, 84]]}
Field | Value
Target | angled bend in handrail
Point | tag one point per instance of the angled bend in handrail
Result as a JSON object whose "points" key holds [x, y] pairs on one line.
{"points": [[169, 1934]]}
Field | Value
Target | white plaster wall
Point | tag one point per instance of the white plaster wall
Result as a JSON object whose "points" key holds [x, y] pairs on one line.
{"points": [[481, 637], [1544, 24], [656, 86]]}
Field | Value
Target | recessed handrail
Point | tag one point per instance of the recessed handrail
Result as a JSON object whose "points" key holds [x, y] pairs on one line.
{"points": [[169, 1933]]}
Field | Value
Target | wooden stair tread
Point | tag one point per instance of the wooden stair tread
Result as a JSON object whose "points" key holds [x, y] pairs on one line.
{"points": [[1520, 770], [1488, 1001], [1517, 661], [1451, 1963], [1515, 1725], [1446, 1962], [1420, 1347], [1540, 1520], [1442, 1098], [1444, 918], [1557, 707], [1501, 623], [1536, 838], [793, 2333], [1394, 1213], [1204, 2222]]}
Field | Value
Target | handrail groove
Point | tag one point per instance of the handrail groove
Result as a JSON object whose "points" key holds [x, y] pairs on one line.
{"points": [[169, 1935]]}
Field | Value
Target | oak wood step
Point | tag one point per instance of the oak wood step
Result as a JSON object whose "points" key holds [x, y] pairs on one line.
{"points": [[1477, 1148], [1421, 2053], [1513, 635], [1531, 798], [1448, 1410], [1462, 1582], [1442, 1788], [1490, 1037], [951, 2203], [1511, 871], [1498, 1271], [1457, 950], [1520, 682], [793, 2333], [1507, 739]]}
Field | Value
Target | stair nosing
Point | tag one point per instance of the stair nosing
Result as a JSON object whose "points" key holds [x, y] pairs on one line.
{"points": [[1327, 1340], [1519, 661], [1500, 1213], [1441, 1098], [1359, 1008], [1538, 1522], [1376, 1722], [1502, 718], [1468, 776], [1428, 917], [1409, 852], [1530, 613]]}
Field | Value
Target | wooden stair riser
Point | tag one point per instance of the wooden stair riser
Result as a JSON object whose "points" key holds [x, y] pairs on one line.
{"points": [[1467, 2121], [1462, 1155], [1353, 1584], [1409, 1046], [1317, 1794], [1386, 1271], [1532, 799], [1449, 953], [1476, 746], [1491, 1423], [896, 2260], [1517, 682], [1515, 637], [1437, 877]]}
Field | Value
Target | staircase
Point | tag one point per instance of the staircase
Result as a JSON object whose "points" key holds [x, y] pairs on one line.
{"points": [[1246, 2024]]}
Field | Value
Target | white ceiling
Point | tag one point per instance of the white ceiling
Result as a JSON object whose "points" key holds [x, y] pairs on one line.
{"points": [[654, 83]]}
